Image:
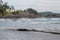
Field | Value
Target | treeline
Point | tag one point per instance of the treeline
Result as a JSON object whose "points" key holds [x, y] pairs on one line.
{"points": [[28, 13], [49, 14], [4, 7]]}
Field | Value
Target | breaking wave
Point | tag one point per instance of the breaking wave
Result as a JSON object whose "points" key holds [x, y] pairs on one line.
{"points": [[48, 25]]}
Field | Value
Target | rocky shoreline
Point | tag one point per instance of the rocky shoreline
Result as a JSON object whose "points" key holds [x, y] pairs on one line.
{"points": [[29, 13]]}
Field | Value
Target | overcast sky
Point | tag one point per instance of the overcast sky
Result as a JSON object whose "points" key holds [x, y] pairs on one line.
{"points": [[39, 5]]}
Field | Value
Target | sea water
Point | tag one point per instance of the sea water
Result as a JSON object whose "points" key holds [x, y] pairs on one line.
{"points": [[37, 23], [31, 23]]}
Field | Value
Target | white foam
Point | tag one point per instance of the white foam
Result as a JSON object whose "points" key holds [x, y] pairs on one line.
{"points": [[2, 19]]}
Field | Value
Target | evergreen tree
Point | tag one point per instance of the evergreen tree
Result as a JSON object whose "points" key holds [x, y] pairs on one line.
{"points": [[30, 10]]}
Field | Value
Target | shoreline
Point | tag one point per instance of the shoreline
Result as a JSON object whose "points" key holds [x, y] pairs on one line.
{"points": [[34, 30]]}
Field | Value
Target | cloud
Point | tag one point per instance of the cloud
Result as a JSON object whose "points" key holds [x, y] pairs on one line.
{"points": [[40, 5]]}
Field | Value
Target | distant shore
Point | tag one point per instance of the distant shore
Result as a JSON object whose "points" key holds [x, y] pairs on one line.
{"points": [[29, 13]]}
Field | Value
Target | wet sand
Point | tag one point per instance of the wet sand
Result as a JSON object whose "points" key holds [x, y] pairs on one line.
{"points": [[27, 35]]}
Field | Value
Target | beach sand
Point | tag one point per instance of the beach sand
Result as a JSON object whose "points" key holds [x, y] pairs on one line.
{"points": [[27, 35]]}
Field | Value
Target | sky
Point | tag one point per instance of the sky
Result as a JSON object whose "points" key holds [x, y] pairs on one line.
{"points": [[39, 5]]}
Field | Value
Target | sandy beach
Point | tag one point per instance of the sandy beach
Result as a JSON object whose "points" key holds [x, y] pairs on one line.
{"points": [[27, 35]]}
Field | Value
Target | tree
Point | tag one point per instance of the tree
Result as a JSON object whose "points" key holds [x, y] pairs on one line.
{"points": [[1, 2], [16, 12], [12, 7], [4, 7], [30, 10]]}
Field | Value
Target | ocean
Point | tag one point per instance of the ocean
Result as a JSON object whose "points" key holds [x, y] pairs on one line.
{"points": [[46, 24]]}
